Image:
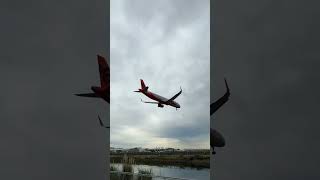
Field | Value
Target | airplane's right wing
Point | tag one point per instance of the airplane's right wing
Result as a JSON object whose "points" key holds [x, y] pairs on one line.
{"points": [[87, 95], [175, 96], [216, 105], [104, 71]]}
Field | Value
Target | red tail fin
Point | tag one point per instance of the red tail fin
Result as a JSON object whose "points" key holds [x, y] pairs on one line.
{"points": [[104, 72], [143, 86]]}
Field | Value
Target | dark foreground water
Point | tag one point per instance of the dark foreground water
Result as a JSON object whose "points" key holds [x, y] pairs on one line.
{"points": [[173, 171]]}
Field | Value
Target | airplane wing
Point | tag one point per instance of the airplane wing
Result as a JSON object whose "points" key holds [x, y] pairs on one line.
{"points": [[216, 105], [150, 102], [101, 123], [87, 95], [104, 71], [175, 96]]}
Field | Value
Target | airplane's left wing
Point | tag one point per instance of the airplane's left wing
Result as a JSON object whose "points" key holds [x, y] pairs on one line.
{"points": [[175, 96], [149, 102]]}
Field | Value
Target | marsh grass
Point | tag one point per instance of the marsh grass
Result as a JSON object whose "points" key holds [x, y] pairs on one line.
{"points": [[180, 160], [127, 164], [145, 171], [113, 168], [127, 167], [147, 174]]}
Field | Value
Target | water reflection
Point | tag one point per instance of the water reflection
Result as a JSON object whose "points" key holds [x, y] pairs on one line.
{"points": [[170, 171]]}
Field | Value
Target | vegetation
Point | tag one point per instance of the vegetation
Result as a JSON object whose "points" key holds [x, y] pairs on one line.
{"points": [[113, 168], [145, 171], [181, 160], [127, 163], [195, 160], [145, 174]]}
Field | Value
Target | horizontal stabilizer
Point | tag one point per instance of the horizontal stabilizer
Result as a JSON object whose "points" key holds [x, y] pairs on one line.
{"points": [[87, 95]]}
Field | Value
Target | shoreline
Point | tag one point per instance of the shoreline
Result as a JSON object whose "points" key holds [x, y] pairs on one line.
{"points": [[194, 160]]}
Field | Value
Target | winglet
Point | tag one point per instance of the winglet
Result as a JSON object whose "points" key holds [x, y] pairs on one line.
{"points": [[225, 81], [101, 123]]}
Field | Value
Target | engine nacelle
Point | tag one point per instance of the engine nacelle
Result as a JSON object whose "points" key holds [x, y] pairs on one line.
{"points": [[160, 105]]}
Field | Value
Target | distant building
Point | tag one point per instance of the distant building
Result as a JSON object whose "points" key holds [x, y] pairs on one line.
{"points": [[135, 150], [116, 150]]}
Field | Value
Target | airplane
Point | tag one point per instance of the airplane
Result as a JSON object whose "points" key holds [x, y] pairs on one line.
{"points": [[104, 90], [161, 101], [216, 138]]}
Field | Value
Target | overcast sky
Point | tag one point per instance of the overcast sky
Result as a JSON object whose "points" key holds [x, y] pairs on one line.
{"points": [[166, 43], [269, 52], [48, 53]]}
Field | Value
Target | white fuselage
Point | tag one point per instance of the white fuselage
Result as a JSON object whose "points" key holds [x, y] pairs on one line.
{"points": [[161, 100]]}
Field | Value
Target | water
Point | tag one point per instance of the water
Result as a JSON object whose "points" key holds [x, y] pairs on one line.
{"points": [[172, 171]]}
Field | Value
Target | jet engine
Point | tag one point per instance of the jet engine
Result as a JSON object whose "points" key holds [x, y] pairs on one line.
{"points": [[160, 105]]}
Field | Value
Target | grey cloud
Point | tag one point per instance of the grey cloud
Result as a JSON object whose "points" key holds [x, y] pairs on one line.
{"points": [[267, 50], [49, 53], [167, 46]]}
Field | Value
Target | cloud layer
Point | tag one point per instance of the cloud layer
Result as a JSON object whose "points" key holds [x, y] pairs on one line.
{"points": [[48, 53], [269, 52], [167, 44]]}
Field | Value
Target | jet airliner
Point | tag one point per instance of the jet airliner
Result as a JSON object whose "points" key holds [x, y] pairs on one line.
{"points": [[104, 90], [161, 101]]}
